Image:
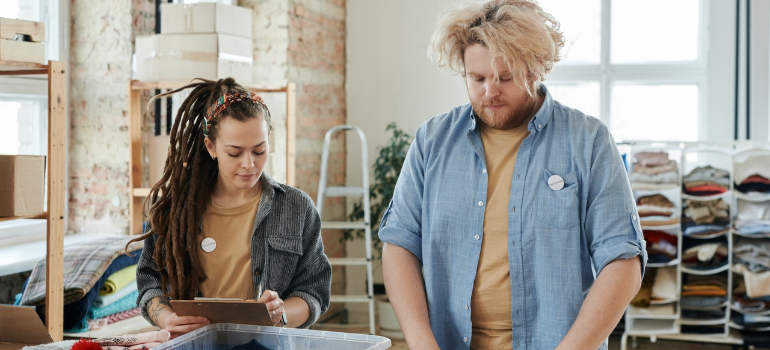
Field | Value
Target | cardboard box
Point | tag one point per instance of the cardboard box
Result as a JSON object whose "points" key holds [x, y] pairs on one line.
{"points": [[20, 326], [169, 57], [22, 41], [205, 18], [23, 190]]}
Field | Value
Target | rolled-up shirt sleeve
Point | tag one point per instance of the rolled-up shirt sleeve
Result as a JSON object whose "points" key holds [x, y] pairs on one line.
{"points": [[401, 224], [612, 224]]}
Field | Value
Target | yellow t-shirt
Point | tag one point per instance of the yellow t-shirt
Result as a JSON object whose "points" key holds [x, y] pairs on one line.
{"points": [[491, 298], [228, 266]]}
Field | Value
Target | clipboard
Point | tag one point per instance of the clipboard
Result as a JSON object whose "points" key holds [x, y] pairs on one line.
{"points": [[250, 312]]}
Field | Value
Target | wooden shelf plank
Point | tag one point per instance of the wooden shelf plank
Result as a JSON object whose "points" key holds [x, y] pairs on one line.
{"points": [[140, 192], [16, 66], [57, 152], [24, 72], [170, 85], [43, 215]]}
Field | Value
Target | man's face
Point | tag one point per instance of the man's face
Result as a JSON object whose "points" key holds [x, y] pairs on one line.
{"points": [[500, 105]]}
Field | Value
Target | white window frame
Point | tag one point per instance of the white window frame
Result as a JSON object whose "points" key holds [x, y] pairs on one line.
{"points": [[694, 72], [36, 87], [57, 48]]}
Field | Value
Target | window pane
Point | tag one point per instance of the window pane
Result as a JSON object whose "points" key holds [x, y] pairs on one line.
{"points": [[654, 31], [582, 95], [654, 112], [9, 133], [581, 24], [9, 8]]}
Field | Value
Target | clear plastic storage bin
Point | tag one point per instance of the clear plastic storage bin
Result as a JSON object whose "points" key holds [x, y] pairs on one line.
{"points": [[225, 336]]}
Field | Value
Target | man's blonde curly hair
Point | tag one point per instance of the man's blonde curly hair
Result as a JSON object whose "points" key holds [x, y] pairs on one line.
{"points": [[527, 38]]}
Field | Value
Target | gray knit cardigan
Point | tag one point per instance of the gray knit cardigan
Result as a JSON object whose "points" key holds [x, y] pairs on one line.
{"points": [[296, 264]]}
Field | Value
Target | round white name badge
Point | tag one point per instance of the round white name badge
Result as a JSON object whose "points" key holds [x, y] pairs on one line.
{"points": [[555, 182], [208, 244]]}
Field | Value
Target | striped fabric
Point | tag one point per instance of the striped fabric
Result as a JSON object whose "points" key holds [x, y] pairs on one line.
{"points": [[84, 264]]}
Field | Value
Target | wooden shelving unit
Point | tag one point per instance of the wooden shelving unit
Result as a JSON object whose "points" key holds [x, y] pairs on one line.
{"points": [[57, 151], [138, 193]]}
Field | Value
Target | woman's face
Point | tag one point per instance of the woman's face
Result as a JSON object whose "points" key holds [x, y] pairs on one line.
{"points": [[241, 149]]}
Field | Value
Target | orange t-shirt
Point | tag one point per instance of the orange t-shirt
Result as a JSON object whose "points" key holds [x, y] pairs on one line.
{"points": [[491, 298], [228, 266]]}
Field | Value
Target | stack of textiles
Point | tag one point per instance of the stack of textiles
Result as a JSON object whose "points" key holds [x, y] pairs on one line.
{"points": [[708, 314], [708, 329], [704, 218], [704, 254], [701, 292], [753, 174], [87, 266], [657, 291], [661, 246], [752, 260], [706, 181], [656, 210], [753, 218], [653, 170], [116, 302]]}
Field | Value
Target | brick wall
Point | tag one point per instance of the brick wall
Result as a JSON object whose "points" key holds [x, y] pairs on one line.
{"points": [[100, 67], [302, 41], [317, 63]]}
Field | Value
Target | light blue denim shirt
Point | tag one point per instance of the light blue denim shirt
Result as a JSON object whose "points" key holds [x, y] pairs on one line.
{"points": [[556, 239]]}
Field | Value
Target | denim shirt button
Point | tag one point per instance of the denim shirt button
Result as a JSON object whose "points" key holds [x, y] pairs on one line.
{"points": [[476, 237], [481, 203], [465, 339], [484, 171]]}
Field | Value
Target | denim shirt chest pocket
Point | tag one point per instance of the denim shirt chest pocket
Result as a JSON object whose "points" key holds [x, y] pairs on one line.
{"points": [[559, 208], [284, 254]]}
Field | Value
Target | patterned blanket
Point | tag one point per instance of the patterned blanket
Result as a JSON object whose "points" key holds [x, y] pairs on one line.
{"points": [[84, 264]]}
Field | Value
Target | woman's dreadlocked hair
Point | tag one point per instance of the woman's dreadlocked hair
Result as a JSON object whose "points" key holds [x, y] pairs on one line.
{"points": [[177, 202]]}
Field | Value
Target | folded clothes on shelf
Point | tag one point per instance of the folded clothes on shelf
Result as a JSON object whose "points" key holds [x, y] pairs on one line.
{"points": [[702, 301], [661, 246], [752, 253], [664, 284], [756, 165], [704, 254], [711, 314], [700, 329], [754, 183], [709, 173], [698, 212], [745, 304], [751, 322], [698, 231], [654, 168]]}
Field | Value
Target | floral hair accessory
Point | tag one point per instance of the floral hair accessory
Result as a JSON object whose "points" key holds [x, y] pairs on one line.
{"points": [[225, 101]]}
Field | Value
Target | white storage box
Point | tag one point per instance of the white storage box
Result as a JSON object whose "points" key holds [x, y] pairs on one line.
{"points": [[224, 336], [205, 18], [164, 57]]}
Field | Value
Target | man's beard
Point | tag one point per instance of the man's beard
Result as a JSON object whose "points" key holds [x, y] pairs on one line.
{"points": [[517, 116]]}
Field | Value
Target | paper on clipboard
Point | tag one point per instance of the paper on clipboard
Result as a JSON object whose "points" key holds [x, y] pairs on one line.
{"points": [[225, 311]]}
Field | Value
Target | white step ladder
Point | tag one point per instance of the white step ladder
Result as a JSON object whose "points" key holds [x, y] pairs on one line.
{"points": [[365, 225]]}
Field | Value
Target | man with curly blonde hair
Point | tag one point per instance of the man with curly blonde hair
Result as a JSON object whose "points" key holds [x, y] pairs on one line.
{"points": [[512, 224]]}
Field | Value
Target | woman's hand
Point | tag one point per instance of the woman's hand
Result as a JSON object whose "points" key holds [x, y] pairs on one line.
{"points": [[274, 307], [179, 325]]}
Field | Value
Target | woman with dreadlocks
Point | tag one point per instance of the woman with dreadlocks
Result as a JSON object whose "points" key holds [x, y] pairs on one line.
{"points": [[220, 227]]}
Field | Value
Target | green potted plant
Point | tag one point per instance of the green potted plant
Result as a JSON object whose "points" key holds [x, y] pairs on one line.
{"points": [[387, 167]]}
